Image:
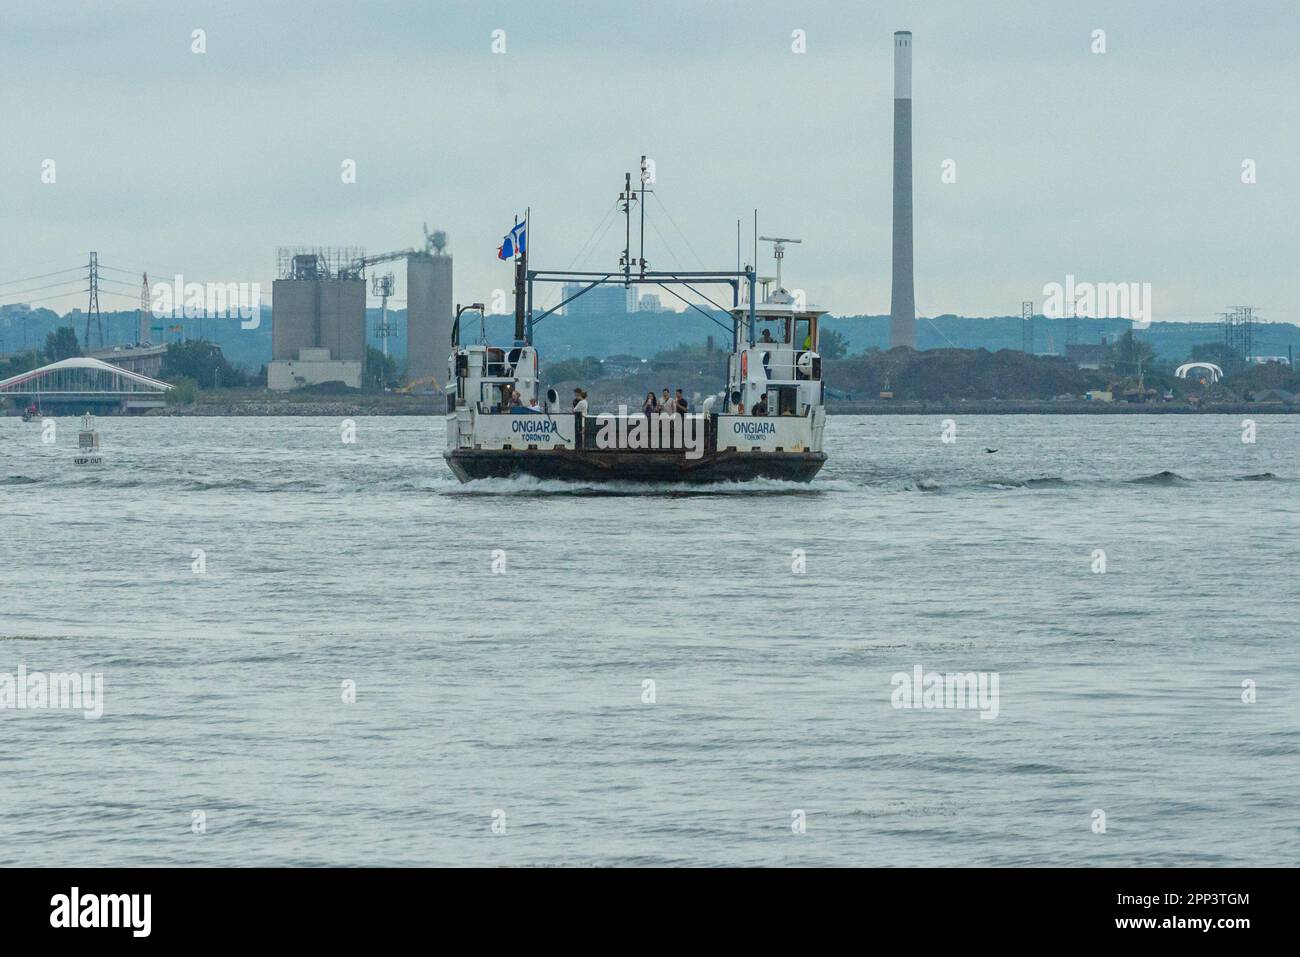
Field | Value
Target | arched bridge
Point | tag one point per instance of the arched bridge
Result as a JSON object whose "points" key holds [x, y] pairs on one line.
{"points": [[1212, 370], [83, 384]]}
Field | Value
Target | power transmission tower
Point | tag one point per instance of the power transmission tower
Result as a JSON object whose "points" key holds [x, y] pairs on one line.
{"points": [[92, 309], [1239, 331], [142, 333], [1027, 326]]}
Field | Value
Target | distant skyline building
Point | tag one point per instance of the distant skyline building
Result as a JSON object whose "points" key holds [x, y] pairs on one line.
{"points": [[902, 298], [649, 302], [603, 301]]}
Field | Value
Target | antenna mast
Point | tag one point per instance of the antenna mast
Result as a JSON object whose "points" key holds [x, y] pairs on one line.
{"points": [[778, 251], [627, 198], [644, 174]]}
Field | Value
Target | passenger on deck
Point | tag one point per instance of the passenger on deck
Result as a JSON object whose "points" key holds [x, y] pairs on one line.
{"points": [[680, 404], [535, 405], [760, 407], [651, 405], [579, 401], [767, 336], [517, 406], [667, 406]]}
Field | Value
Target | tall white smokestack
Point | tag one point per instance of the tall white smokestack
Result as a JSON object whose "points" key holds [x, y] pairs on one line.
{"points": [[902, 300]]}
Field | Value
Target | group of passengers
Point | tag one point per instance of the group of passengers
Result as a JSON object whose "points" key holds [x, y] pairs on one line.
{"points": [[512, 399], [653, 405], [668, 405]]}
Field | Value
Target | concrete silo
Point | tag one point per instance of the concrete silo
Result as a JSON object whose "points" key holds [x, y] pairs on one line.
{"points": [[429, 311], [318, 315]]}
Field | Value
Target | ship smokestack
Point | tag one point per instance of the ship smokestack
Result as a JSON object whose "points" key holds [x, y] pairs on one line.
{"points": [[902, 300]]}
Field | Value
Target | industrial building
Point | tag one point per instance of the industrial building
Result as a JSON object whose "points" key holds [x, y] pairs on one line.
{"points": [[318, 314], [318, 320], [429, 310]]}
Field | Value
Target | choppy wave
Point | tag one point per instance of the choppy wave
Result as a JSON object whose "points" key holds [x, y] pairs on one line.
{"points": [[1007, 484], [1165, 477], [19, 480], [252, 485], [1050, 481], [107, 480], [37, 637]]}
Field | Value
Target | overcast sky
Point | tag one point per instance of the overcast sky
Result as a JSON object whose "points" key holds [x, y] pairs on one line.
{"points": [[1119, 167]]}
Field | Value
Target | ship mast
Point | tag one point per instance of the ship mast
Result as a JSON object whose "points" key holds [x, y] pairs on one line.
{"points": [[643, 181], [627, 198], [521, 293]]}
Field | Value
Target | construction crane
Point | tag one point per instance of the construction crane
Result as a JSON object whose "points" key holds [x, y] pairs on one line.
{"points": [[357, 267], [381, 286]]}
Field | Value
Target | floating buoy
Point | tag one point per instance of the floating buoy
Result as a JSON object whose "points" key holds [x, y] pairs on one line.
{"points": [[87, 443]]}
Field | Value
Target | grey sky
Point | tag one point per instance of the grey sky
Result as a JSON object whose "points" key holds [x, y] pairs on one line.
{"points": [[1123, 166]]}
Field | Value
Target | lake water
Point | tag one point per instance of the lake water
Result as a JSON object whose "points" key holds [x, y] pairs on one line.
{"points": [[521, 698]]}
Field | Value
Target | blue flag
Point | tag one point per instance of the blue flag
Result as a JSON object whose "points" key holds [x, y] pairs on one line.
{"points": [[516, 241]]}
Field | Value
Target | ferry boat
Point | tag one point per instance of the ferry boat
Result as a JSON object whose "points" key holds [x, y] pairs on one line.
{"points": [[768, 422]]}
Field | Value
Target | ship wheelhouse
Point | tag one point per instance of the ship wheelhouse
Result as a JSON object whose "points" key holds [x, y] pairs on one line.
{"points": [[779, 361]]}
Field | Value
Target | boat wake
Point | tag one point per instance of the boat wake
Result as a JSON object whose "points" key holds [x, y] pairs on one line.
{"points": [[527, 486]]}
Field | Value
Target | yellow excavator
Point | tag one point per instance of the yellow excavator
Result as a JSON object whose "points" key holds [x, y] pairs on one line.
{"points": [[415, 384]]}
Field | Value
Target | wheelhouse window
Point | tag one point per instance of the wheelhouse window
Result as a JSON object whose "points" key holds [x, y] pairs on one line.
{"points": [[773, 332], [805, 333], [787, 400]]}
